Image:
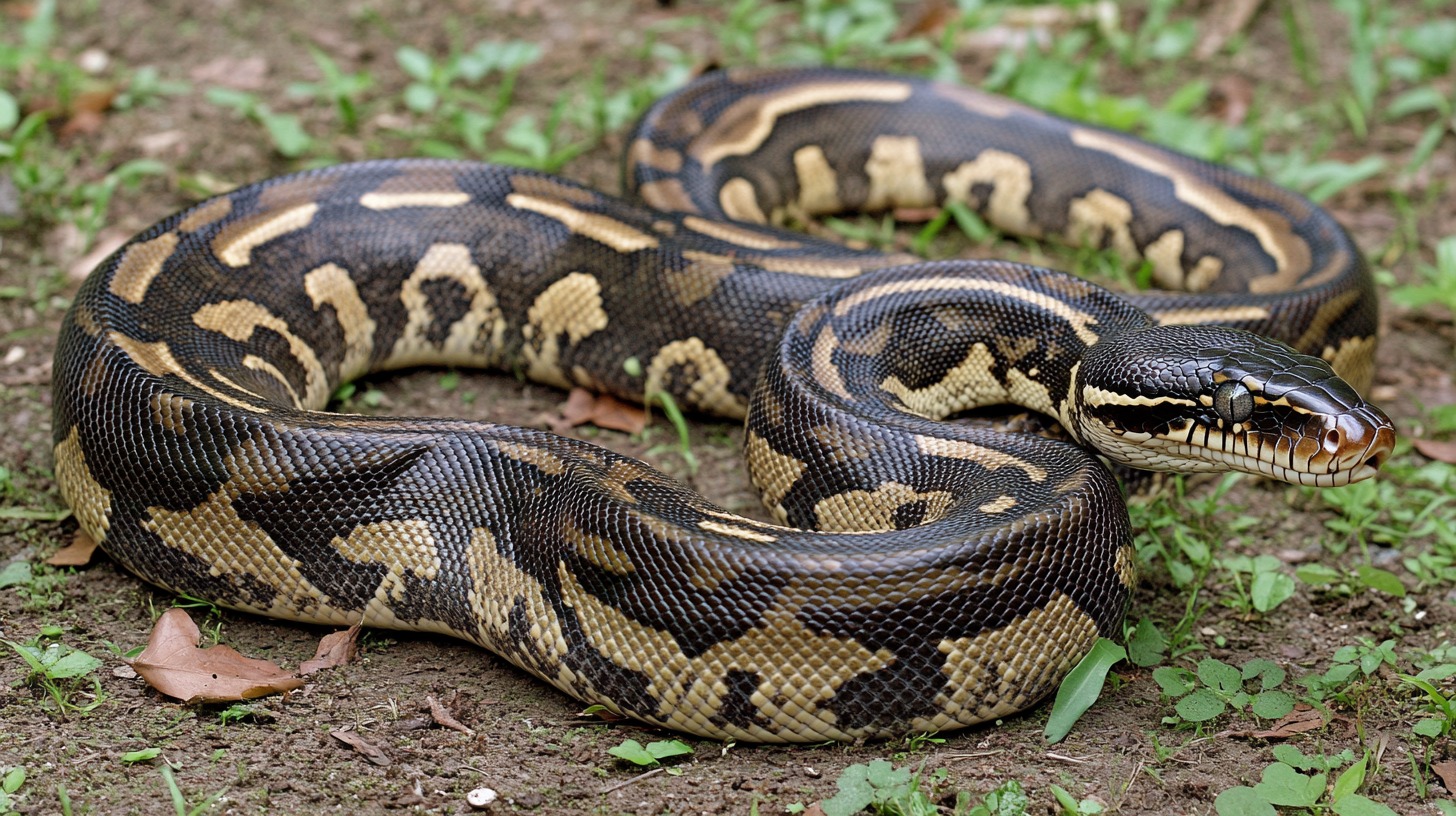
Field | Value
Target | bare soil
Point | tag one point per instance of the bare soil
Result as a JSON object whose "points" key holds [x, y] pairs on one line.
{"points": [[530, 743]]}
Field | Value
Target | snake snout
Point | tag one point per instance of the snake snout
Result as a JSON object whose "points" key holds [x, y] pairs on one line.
{"points": [[1358, 441]]}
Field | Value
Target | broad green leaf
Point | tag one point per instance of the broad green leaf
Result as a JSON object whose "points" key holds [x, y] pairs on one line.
{"points": [[855, 792], [1268, 672], [1220, 676], [1081, 688], [1357, 805], [1317, 574], [14, 778], [668, 748], [1269, 589], [1271, 705], [1349, 780], [632, 751], [16, 573], [144, 755], [1379, 579], [1200, 706], [1242, 801], [1282, 785], [1428, 728], [1173, 681], [415, 63], [74, 663], [1147, 646]]}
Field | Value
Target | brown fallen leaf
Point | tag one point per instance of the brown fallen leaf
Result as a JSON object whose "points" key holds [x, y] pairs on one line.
{"points": [[443, 717], [87, 112], [371, 752], [333, 650], [1446, 769], [173, 665], [1303, 718], [244, 74], [602, 410], [1436, 449], [76, 554]]}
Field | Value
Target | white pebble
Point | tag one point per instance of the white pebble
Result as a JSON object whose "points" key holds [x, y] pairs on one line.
{"points": [[481, 798]]}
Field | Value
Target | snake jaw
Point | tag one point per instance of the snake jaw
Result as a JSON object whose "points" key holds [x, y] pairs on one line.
{"points": [[1240, 402]]}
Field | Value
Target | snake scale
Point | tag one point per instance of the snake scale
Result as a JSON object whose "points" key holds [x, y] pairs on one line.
{"points": [[928, 575]]}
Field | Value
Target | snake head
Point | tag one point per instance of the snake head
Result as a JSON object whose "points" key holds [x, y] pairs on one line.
{"points": [[1208, 398]]}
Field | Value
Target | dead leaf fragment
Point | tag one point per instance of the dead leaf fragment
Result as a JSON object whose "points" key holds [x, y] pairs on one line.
{"points": [[1303, 718], [1446, 769], [582, 407], [76, 554], [244, 74], [173, 665], [333, 650], [371, 752], [1437, 450], [443, 717]]}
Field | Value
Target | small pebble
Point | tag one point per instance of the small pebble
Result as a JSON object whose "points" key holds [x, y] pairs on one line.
{"points": [[481, 798]]}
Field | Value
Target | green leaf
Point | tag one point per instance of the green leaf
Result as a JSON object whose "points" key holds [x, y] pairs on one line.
{"points": [[1174, 681], [1349, 780], [74, 663], [855, 792], [1268, 672], [9, 111], [287, 133], [420, 98], [1379, 579], [16, 573], [144, 755], [632, 751], [1081, 688], [1428, 728], [1357, 805], [14, 778], [1269, 589], [1271, 705], [1317, 574], [1147, 646], [1282, 785], [415, 63], [1220, 676], [668, 748], [1200, 706], [1242, 801]]}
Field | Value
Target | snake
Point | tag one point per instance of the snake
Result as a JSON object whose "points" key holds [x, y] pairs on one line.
{"points": [[920, 575]]}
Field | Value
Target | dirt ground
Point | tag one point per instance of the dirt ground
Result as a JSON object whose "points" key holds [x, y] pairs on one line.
{"points": [[529, 743]]}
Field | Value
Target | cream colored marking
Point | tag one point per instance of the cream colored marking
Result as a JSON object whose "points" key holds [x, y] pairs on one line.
{"points": [[999, 504], [740, 201], [222, 378], [401, 546], [234, 244], [737, 235], [968, 385], [698, 278], [1094, 396], [1027, 392], [140, 265], [799, 670], [474, 339], [238, 319], [156, 359], [1126, 567], [600, 228], [1204, 273], [1288, 250], [1010, 178], [1004, 670], [743, 126], [1339, 262], [540, 458], [1222, 314], [896, 172], [871, 343], [821, 267], [552, 188], [88, 499], [736, 531], [496, 586], [332, 285], [646, 154], [985, 457], [256, 363], [709, 389], [417, 198], [666, 194], [979, 102], [572, 307], [208, 213], [818, 183], [1080, 321], [598, 551], [171, 411], [1101, 216], [821, 363], [1328, 312], [773, 473], [864, 510], [1165, 253], [1354, 361]]}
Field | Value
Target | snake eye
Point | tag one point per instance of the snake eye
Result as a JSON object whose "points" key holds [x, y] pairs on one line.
{"points": [[1233, 402]]}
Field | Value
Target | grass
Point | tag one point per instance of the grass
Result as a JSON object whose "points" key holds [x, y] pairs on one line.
{"points": [[1375, 130]]}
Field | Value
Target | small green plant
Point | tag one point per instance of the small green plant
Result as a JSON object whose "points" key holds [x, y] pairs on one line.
{"points": [[1216, 687], [1281, 785], [141, 755], [441, 92], [1349, 665], [1267, 586], [10, 795], [1081, 688], [61, 672], [284, 129], [882, 788], [650, 754], [179, 800], [1072, 806], [1438, 703], [1439, 280], [344, 91]]}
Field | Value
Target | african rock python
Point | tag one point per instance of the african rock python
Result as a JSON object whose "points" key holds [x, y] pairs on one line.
{"points": [[973, 568]]}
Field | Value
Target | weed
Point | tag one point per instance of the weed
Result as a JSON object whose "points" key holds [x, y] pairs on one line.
{"points": [[1072, 806], [343, 91], [1216, 687], [179, 800], [1281, 785], [284, 129], [10, 795], [1350, 664], [884, 789], [650, 754], [141, 755], [62, 672]]}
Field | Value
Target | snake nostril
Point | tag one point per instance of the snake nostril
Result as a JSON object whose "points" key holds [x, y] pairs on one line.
{"points": [[1333, 441]]}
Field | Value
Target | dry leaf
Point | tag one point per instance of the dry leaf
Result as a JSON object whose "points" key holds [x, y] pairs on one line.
{"points": [[173, 665], [1301, 719], [443, 717], [240, 74], [370, 751], [76, 554], [87, 112], [1231, 98], [1437, 450], [1446, 769], [333, 650], [1228, 18], [602, 410]]}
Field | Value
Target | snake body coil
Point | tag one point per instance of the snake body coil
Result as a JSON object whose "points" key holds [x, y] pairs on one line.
{"points": [[956, 574]]}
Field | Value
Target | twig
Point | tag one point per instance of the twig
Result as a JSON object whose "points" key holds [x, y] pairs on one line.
{"points": [[637, 778]]}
